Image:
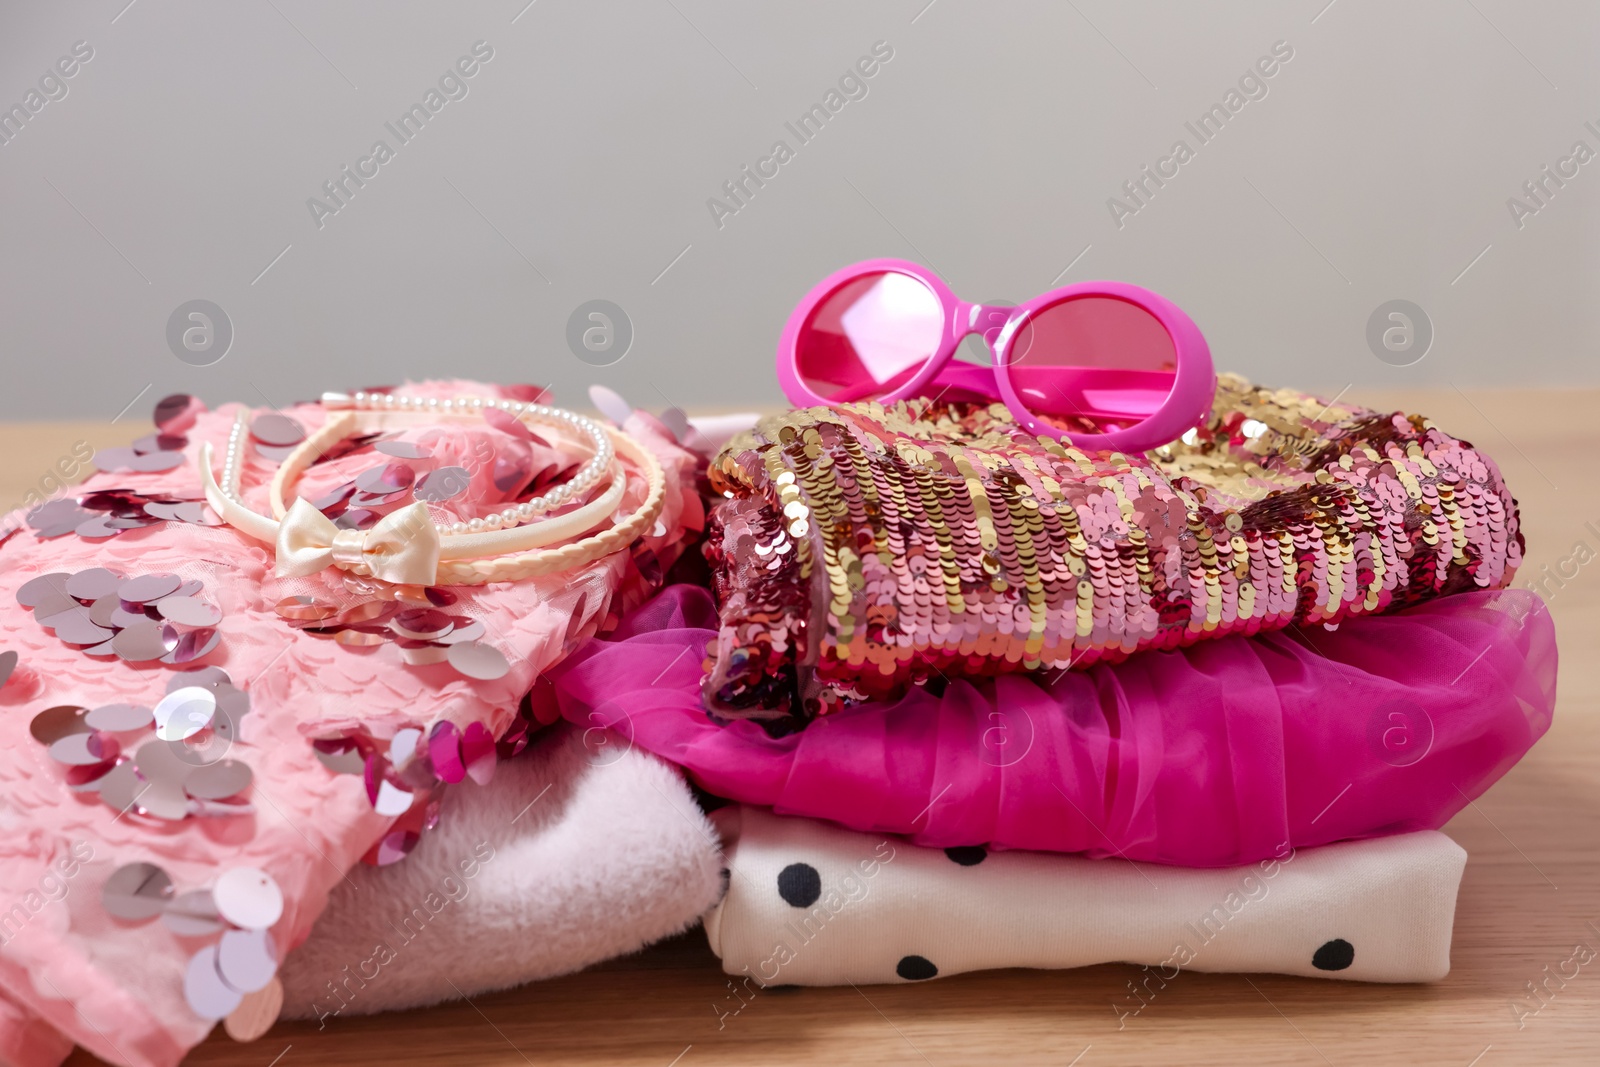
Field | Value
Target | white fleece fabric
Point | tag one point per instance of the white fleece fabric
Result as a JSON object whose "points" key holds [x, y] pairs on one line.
{"points": [[809, 903], [569, 856]]}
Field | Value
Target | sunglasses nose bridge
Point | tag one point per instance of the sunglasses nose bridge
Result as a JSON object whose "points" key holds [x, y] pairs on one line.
{"points": [[986, 320]]}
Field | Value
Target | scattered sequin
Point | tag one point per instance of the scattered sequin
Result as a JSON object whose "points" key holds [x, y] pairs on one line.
{"points": [[120, 787], [256, 1013], [462, 630], [193, 914], [443, 484], [97, 528], [143, 589], [395, 846], [104, 614], [153, 462], [477, 752], [52, 724], [402, 450], [422, 624], [388, 480], [186, 647], [358, 519], [163, 771], [388, 798], [352, 638], [247, 959], [109, 512], [339, 756], [248, 898], [209, 677], [176, 414], [304, 609], [509, 477], [120, 718], [478, 660], [92, 584], [140, 642], [32, 591], [334, 502], [185, 712], [56, 517], [430, 596], [87, 777], [77, 628], [113, 459], [421, 653], [107, 611], [410, 617], [189, 611], [220, 780], [276, 431], [403, 746], [137, 892], [207, 994], [84, 749], [444, 752]]}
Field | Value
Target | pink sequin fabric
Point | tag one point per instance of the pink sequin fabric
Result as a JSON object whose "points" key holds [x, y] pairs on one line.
{"points": [[864, 549], [111, 962]]}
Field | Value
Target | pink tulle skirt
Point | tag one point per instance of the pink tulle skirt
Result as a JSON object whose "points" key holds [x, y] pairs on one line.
{"points": [[1225, 753]]}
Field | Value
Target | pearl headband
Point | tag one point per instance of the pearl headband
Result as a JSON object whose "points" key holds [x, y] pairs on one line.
{"points": [[406, 547]]}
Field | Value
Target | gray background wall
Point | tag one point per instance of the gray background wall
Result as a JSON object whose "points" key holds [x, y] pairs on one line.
{"points": [[578, 165]]}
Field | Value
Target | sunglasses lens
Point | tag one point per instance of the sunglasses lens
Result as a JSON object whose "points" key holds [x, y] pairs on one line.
{"points": [[869, 336], [1094, 357]]}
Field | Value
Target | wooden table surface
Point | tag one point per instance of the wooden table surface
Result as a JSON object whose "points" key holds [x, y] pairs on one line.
{"points": [[1530, 895]]}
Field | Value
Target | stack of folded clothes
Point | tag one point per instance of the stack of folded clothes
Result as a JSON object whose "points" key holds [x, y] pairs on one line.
{"points": [[312, 710], [1250, 674]]}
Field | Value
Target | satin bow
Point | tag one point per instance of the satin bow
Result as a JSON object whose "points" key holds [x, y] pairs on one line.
{"points": [[403, 548]]}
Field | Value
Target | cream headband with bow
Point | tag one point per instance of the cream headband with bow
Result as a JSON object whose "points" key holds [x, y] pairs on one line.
{"points": [[407, 547]]}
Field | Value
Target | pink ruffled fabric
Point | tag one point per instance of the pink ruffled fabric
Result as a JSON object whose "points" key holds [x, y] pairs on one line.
{"points": [[27, 1040], [117, 989], [1207, 756]]}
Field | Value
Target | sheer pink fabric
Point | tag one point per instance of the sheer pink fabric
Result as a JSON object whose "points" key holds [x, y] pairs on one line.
{"points": [[1207, 756], [117, 989]]}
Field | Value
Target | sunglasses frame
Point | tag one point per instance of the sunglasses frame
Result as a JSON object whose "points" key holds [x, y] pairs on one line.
{"points": [[1186, 406]]}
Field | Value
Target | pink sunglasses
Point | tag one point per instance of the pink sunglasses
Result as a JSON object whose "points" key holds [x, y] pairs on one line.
{"points": [[1124, 358]]}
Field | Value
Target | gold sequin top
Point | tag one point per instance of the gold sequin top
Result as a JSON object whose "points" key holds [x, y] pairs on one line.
{"points": [[862, 549]]}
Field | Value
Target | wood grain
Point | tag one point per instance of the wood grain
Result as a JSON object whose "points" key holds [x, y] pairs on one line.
{"points": [[1531, 893]]}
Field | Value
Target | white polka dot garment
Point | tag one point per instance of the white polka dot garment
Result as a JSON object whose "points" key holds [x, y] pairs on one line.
{"points": [[811, 904]]}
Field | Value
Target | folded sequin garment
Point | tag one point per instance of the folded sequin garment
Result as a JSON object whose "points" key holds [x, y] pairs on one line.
{"points": [[860, 550], [194, 751], [580, 849]]}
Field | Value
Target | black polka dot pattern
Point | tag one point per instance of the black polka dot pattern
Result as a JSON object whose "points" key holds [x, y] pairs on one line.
{"points": [[916, 968], [800, 885], [967, 855], [1336, 955]]}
